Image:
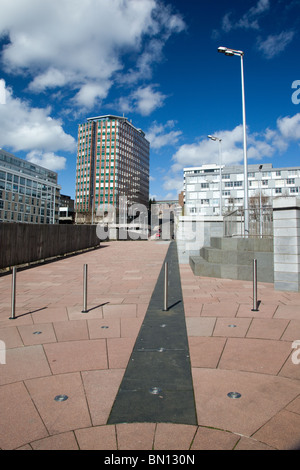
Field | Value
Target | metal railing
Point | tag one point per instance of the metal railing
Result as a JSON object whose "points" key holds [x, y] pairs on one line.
{"points": [[260, 223]]}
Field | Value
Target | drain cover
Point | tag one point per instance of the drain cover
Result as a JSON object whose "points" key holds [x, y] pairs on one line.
{"points": [[104, 327], [231, 326], [234, 395], [61, 398], [155, 391], [37, 333]]}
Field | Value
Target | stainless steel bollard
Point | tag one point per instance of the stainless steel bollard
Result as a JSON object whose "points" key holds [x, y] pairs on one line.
{"points": [[13, 295], [166, 280], [255, 301], [85, 276]]}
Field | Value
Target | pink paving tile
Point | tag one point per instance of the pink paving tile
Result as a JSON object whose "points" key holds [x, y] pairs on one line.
{"points": [[71, 356], [101, 388], [104, 328], [293, 331], [50, 314], [11, 337], [20, 421], [97, 438], [214, 439], [37, 334], [294, 406], [262, 397], [24, 363], [200, 326], [71, 330], [267, 328], [119, 311], [174, 436], [63, 416], [205, 352], [264, 311], [232, 327], [282, 432], [251, 444], [63, 441], [290, 369], [220, 309], [135, 436], [130, 327], [254, 355], [292, 312], [76, 312], [119, 352]]}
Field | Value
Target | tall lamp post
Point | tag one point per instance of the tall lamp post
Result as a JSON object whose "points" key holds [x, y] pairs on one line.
{"points": [[214, 138], [232, 52]]}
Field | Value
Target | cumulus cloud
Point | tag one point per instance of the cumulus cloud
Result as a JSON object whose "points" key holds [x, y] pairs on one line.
{"points": [[47, 160], [259, 146], [82, 43], [144, 100], [159, 135], [25, 128]]}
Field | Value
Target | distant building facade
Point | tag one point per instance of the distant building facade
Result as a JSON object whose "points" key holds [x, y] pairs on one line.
{"points": [[29, 193], [112, 161], [202, 187], [66, 210]]}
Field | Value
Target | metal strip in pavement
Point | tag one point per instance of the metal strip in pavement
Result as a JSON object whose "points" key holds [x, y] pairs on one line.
{"points": [[157, 385]]}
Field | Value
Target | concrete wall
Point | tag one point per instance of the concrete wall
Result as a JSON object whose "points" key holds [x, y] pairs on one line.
{"points": [[26, 243], [194, 232], [286, 223]]}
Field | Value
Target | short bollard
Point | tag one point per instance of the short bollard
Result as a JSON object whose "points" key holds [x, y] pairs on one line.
{"points": [[13, 295], [165, 309], [85, 275], [255, 301]]}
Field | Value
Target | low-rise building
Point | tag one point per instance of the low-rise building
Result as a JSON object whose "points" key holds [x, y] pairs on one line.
{"points": [[203, 194]]}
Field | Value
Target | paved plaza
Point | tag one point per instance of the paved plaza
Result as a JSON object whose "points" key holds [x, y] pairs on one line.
{"points": [[53, 349]]}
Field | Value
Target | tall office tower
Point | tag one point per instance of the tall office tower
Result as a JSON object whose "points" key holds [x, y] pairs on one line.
{"points": [[112, 161]]}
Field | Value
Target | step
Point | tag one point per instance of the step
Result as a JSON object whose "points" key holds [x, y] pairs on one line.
{"points": [[201, 267], [242, 244], [214, 255]]}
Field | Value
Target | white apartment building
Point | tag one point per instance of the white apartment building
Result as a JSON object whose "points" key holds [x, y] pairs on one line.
{"points": [[202, 187]]}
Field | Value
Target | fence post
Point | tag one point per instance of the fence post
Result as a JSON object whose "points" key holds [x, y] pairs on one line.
{"points": [[13, 294], [255, 302], [85, 275], [165, 309]]}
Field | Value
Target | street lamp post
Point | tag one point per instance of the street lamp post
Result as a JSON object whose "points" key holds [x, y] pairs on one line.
{"points": [[232, 52], [214, 138]]}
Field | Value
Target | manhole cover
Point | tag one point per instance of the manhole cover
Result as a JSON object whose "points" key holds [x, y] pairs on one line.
{"points": [[61, 398], [234, 395], [155, 390]]}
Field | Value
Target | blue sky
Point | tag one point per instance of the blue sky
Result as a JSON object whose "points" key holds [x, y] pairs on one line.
{"points": [[156, 62]]}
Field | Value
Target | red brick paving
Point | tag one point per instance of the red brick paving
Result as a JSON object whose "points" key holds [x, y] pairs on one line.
{"points": [[84, 356]]}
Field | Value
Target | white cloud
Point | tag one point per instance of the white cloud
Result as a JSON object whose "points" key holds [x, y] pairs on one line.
{"points": [[259, 146], [23, 128], [248, 21], [47, 160], [144, 101], [159, 136], [275, 44], [290, 127], [82, 43]]}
